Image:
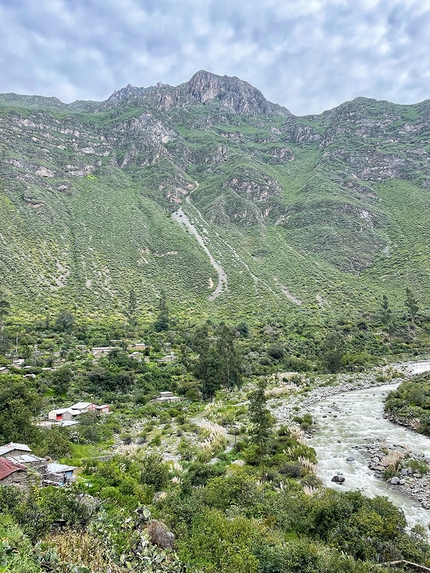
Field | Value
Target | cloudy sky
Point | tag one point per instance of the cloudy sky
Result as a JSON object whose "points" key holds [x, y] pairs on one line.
{"points": [[308, 55]]}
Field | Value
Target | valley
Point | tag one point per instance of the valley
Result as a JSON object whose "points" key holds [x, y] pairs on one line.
{"points": [[203, 302]]}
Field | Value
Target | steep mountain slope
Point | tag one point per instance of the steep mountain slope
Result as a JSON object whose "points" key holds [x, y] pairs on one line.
{"points": [[209, 191]]}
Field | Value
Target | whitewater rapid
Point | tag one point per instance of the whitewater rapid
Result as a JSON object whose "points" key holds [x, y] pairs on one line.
{"points": [[348, 421]]}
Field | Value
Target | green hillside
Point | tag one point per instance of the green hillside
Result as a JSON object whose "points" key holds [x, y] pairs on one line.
{"points": [[290, 213]]}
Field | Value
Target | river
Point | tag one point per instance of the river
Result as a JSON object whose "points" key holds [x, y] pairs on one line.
{"points": [[348, 421]]}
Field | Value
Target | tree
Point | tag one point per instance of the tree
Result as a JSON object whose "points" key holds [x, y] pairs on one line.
{"points": [[4, 307], [18, 406], [4, 311], [411, 305], [385, 311], [207, 370], [61, 379], [332, 351], [56, 443], [162, 322], [218, 364], [64, 321], [132, 307], [261, 421], [229, 361]]}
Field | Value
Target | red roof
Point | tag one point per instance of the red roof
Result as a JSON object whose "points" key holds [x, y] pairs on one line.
{"points": [[8, 467]]}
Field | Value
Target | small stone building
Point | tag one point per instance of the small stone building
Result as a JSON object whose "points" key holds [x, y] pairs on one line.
{"points": [[30, 461], [14, 449], [62, 414], [12, 473], [99, 351], [167, 397], [59, 474]]}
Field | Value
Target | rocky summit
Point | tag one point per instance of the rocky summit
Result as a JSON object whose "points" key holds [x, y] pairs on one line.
{"points": [[212, 193]]}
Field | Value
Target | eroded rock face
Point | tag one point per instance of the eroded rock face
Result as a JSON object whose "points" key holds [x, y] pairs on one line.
{"points": [[257, 187], [233, 94], [230, 93]]}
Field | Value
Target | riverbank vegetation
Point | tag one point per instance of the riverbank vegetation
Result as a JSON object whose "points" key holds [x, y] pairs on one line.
{"points": [[409, 404], [237, 492]]}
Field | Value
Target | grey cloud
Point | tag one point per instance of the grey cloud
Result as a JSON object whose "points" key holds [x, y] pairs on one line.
{"points": [[308, 56]]}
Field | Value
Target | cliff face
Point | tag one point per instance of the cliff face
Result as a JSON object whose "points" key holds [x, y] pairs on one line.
{"points": [[227, 93], [304, 203]]}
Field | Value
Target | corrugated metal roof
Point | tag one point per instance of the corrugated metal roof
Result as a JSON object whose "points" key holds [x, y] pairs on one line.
{"points": [[25, 459], [55, 468], [61, 411], [7, 467], [13, 446], [81, 405]]}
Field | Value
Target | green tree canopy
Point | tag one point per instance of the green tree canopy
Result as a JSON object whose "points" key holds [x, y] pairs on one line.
{"points": [[18, 406]]}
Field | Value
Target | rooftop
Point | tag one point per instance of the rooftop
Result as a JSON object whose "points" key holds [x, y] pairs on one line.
{"points": [[55, 468], [13, 446], [81, 405], [24, 459], [8, 467]]}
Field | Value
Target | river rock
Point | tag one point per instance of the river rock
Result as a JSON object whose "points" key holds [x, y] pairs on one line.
{"points": [[395, 480], [350, 459], [338, 479]]}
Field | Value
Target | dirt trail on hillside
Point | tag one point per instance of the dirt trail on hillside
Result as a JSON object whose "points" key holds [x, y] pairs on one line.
{"points": [[183, 220]]}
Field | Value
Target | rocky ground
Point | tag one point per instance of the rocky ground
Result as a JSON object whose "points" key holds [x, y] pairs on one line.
{"points": [[299, 402], [394, 460]]}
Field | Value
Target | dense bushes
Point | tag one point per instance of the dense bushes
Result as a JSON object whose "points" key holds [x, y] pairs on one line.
{"points": [[411, 401]]}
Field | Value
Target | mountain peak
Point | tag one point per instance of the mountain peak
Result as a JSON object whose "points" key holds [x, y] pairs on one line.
{"points": [[229, 93], [128, 93], [232, 93]]}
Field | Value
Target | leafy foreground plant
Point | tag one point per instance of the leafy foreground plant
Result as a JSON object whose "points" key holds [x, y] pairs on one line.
{"points": [[116, 542]]}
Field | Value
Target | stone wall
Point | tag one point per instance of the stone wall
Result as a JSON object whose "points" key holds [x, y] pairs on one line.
{"points": [[19, 479]]}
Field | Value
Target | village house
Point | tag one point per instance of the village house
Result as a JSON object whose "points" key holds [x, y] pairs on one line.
{"points": [[67, 415], [62, 414], [167, 397], [12, 473], [14, 449], [136, 356], [81, 407], [171, 357], [59, 474], [21, 454], [99, 351], [19, 467], [30, 461], [138, 346], [103, 409]]}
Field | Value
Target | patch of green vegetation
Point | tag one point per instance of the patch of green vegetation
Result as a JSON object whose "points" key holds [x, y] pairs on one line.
{"points": [[411, 401]]}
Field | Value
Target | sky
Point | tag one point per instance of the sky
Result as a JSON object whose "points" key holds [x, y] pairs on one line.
{"points": [[308, 55]]}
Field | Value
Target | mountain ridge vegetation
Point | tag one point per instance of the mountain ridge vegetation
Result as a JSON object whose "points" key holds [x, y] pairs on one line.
{"points": [[305, 214]]}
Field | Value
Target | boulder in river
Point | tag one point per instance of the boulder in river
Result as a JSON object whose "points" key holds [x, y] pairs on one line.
{"points": [[338, 479], [395, 480], [350, 459]]}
